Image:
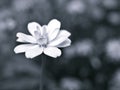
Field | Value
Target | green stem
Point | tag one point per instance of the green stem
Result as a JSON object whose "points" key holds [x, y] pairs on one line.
{"points": [[42, 72]]}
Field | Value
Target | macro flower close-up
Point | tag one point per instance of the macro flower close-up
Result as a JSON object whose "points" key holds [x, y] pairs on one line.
{"points": [[45, 39], [59, 44]]}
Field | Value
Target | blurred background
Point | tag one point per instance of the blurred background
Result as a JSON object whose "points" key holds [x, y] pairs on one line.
{"points": [[92, 62]]}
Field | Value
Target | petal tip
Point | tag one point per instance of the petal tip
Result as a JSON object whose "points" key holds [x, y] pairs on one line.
{"points": [[55, 20], [33, 26], [18, 34], [27, 56], [69, 34], [30, 24], [18, 40], [15, 50]]}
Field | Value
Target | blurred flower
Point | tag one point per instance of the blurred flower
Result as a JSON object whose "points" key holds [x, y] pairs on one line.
{"points": [[45, 39], [70, 84], [110, 4], [80, 48], [84, 48], [114, 18], [7, 24], [113, 49], [6, 21], [21, 5], [114, 83], [75, 6], [97, 13], [11, 24]]}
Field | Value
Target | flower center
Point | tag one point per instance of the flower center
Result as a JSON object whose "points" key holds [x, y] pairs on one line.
{"points": [[42, 41], [41, 37]]}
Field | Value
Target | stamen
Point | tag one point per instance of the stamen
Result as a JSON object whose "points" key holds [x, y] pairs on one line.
{"points": [[41, 37], [42, 41]]}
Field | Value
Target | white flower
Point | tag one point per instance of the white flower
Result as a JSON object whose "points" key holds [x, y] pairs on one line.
{"points": [[43, 39]]}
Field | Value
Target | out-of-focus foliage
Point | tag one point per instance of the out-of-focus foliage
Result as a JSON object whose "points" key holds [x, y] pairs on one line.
{"points": [[92, 62]]}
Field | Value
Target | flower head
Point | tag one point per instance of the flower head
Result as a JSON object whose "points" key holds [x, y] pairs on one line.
{"points": [[45, 39]]}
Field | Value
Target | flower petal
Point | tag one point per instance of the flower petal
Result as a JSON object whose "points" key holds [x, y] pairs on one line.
{"points": [[62, 36], [52, 52], [34, 26], [66, 43], [53, 35], [25, 38], [22, 48], [64, 33], [44, 29], [34, 51], [53, 25]]}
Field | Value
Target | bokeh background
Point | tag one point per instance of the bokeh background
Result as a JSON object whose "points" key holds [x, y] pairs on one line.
{"points": [[92, 62]]}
